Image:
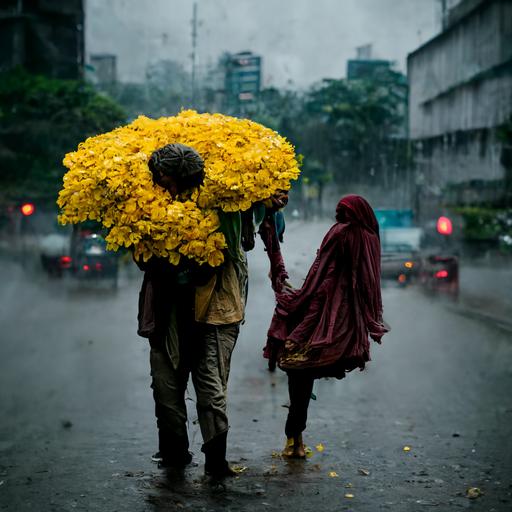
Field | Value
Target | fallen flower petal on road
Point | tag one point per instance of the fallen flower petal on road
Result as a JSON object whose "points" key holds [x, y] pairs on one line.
{"points": [[333, 474], [473, 492], [272, 470]]}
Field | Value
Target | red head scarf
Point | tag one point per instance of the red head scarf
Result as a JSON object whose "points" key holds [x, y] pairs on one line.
{"points": [[356, 210]]}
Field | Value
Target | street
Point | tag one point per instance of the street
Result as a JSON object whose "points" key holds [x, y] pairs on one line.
{"points": [[77, 428]]}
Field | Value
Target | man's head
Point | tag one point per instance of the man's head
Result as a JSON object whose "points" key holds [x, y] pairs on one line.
{"points": [[176, 168]]}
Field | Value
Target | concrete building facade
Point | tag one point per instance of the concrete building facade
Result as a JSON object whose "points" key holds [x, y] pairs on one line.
{"points": [[460, 98], [43, 36]]}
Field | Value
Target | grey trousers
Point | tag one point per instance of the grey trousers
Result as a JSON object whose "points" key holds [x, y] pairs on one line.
{"points": [[206, 356]]}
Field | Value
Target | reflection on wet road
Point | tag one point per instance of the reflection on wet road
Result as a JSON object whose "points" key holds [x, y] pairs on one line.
{"points": [[77, 426]]}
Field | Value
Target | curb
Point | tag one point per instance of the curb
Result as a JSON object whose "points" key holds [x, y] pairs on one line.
{"points": [[499, 322]]}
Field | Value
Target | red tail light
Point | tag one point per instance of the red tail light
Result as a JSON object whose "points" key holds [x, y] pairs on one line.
{"points": [[86, 268], [98, 266], [442, 274], [65, 261]]}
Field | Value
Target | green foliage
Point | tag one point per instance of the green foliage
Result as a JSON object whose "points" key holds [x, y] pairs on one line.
{"points": [[487, 224], [349, 130], [41, 119], [315, 172], [278, 110], [357, 127]]}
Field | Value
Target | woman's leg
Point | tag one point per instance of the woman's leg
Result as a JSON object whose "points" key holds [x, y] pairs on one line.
{"points": [[300, 387]]}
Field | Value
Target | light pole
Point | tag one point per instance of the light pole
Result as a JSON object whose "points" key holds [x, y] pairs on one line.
{"points": [[194, 51]]}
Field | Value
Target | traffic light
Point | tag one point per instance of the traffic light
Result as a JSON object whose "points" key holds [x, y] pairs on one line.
{"points": [[27, 209], [444, 226]]}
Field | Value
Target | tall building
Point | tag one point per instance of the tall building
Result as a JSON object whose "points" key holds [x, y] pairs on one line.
{"points": [[367, 68], [460, 101], [43, 36], [103, 68], [242, 81]]}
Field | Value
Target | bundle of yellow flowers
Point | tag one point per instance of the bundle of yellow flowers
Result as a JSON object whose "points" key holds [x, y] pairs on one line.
{"points": [[109, 181]]}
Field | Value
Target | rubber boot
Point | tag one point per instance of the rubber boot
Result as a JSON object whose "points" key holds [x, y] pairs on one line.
{"points": [[173, 450], [216, 464]]}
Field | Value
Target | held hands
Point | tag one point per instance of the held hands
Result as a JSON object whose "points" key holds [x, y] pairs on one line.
{"points": [[286, 285], [290, 345], [277, 201]]}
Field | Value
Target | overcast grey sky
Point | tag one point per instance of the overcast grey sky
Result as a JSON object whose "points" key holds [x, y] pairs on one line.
{"points": [[301, 41]]}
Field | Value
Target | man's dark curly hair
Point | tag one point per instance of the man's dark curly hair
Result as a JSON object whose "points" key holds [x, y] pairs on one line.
{"points": [[180, 162]]}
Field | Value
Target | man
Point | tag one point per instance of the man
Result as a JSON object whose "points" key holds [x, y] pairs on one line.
{"points": [[191, 314]]}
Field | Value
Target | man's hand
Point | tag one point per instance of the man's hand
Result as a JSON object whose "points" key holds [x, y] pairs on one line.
{"points": [[279, 199]]}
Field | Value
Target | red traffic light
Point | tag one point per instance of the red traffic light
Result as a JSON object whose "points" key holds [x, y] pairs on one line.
{"points": [[27, 209], [444, 226]]}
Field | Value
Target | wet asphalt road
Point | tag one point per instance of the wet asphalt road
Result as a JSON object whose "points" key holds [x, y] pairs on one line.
{"points": [[77, 427]]}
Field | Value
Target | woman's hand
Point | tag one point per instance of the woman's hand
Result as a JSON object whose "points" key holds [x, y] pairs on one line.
{"points": [[290, 345], [287, 286]]}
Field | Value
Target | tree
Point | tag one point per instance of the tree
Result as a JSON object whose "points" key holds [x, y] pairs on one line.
{"points": [[41, 119], [355, 127], [278, 110]]}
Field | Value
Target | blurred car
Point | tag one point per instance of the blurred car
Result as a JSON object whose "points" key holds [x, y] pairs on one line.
{"points": [[400, 245], [425, 254], [400, 263], [440, 249], [55, 254], [440, 274], [91, 260]]}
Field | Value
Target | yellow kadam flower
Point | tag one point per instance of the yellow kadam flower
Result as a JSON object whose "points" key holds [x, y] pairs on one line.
{"points": [[109, 181]]}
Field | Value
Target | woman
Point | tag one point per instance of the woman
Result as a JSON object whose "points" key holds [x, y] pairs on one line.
{"points": [[322, 329]]}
